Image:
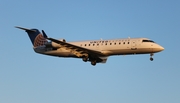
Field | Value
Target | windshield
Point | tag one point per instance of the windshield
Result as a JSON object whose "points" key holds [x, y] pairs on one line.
{"points": [[147, 41]]}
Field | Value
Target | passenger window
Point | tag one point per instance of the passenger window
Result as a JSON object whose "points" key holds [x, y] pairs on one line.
{"points": [[114, 43], [89, 44], [124, 42], [85, 45]]}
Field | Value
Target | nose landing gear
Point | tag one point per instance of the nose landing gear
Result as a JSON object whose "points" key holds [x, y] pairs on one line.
{"points": [[151, 58]]}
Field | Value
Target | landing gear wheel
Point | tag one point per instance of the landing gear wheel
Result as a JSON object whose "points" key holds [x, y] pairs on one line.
{"points": [[93, 62], [85, 59], [151, 59]]}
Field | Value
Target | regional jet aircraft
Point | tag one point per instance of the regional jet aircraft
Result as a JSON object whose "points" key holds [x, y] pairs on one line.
{"points": [[94, 51]]}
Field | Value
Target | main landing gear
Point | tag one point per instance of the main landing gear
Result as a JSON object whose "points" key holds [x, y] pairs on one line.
{"points": [[151, 58], [85, 59], [93, 62]]}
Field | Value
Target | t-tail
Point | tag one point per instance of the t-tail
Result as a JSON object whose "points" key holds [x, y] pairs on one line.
{"points": [[35, 36]]}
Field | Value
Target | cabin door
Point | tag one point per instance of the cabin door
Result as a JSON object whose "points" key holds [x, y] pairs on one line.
{"points": [[133, 45]]}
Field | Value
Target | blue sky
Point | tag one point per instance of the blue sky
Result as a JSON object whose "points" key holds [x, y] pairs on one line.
{"points": [[27, 77]]}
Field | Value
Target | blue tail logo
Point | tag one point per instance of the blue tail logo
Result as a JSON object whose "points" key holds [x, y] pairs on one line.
{"points": [[39, 40], [35, 36]]}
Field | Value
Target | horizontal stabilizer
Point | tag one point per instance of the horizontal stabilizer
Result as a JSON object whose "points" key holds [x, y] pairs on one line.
{"points": [[24, 29]]}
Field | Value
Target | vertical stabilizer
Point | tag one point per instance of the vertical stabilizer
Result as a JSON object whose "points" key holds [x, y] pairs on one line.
{"points": [[35, 36]]}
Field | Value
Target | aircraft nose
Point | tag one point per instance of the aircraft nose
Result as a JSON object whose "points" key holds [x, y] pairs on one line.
{"points": [[161, 48]]}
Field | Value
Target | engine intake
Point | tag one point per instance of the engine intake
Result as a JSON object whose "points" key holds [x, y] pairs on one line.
{"points": [[53, 44]]}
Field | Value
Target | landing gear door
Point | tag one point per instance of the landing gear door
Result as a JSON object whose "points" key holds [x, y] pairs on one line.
{"points": [[133, 45]]}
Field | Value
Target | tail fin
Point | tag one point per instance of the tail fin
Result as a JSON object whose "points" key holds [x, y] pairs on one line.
{"points": [[36, 37]]}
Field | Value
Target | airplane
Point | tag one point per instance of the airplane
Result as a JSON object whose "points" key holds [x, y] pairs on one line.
{"points": [[94, 51]]}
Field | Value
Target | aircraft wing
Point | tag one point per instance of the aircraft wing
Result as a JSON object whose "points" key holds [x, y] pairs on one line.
{"points": [[79, 51]]}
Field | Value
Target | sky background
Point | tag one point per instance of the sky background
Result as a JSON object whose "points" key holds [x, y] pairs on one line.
{"points": [[27, 77]]}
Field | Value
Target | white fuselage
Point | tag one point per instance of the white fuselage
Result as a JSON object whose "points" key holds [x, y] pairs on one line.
{"points": [[94, 51], [106, 47]]}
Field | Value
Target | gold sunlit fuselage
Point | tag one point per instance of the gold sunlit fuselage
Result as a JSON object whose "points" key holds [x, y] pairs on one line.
{"points": [[109, 47], [94, 51]]}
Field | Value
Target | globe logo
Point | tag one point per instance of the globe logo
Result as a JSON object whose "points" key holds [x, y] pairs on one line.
{"points": [[39, 40]]}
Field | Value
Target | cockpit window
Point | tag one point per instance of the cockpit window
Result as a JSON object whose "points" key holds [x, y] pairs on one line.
{"points": [[147, 41]]}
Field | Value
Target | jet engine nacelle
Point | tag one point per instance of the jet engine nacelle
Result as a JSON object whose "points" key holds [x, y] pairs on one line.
{"points": [[62, 40], [55, 45]]}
